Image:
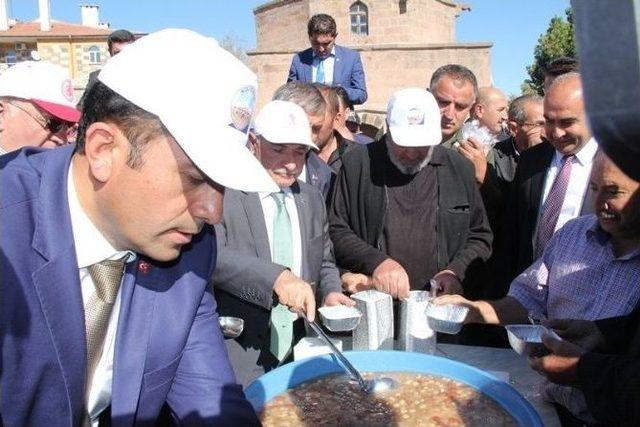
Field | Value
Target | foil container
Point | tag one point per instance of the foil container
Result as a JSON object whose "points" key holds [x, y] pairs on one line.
{"points": [[375, 330], [340, 318], [526, 340], [415, 333], [447, 318]]}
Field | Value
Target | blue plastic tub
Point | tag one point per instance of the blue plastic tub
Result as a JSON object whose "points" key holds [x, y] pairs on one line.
{"points": [[289, 376]]}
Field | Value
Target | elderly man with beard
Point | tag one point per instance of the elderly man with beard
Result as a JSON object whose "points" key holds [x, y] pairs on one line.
{"points": [[407, 210]]}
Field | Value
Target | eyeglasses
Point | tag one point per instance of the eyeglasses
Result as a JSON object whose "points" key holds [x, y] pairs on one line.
{"points": [[52, 124], [531, 125]]}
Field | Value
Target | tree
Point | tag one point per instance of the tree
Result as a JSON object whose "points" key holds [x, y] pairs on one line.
{"points": [[557, 41], [234, 45]]}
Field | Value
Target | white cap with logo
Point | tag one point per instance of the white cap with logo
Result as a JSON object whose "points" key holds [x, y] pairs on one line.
{"points": [[283, 122], [205, 99], [413, 117], [45, 84]]}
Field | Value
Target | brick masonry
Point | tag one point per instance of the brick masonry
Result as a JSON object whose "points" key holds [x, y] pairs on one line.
{"points": [[403, 48]]}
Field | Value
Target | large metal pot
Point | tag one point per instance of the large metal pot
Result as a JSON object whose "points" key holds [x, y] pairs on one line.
{"points": [[289, 376]]}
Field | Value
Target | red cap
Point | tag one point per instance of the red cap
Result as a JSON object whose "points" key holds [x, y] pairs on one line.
{"points": [[63, 112]]}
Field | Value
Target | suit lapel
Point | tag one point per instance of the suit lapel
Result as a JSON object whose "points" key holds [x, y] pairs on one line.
{"points": [[538, 181], [57, 282], [136, 312], [303, 220], [337, 66], [307, 65], [255, 217]]}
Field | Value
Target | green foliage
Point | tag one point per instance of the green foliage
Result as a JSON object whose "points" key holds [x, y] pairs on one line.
{"points": [[557, 41]]}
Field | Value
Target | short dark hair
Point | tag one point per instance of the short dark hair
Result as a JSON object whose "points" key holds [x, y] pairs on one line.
{"points": [[322, 23], [456, 72], [516, 108], [561, 65], [120, 36], [330, 97], [343, 96], [303, 94], [104, 105]]}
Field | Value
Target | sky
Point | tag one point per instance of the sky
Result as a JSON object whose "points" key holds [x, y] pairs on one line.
{"points": [[513, 26]]}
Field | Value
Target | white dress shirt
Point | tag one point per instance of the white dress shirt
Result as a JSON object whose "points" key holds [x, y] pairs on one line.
{"points": [[91, 248], [578, 182], [328, 65], [269, 209]]}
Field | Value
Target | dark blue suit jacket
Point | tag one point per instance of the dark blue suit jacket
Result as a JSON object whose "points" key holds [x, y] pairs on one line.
{"points": [[169, 347], [347, 72]]}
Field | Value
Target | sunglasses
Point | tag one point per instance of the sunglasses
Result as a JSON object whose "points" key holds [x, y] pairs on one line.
{"points": [[52, 124]]}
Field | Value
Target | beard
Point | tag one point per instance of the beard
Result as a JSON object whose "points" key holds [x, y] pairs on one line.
{"points": [[411, 169]]}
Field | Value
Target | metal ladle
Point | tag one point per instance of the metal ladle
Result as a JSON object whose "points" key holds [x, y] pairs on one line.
{"points": [[376, 385]]}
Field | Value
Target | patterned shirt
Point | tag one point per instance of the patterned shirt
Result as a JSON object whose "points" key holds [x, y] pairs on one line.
{"points": [[579, 276]]}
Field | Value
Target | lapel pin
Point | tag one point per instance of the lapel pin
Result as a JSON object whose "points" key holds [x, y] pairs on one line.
{"points": [[144, 267]]}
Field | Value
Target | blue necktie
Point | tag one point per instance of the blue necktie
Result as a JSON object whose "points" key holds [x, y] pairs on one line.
{"points": [[320, 72]]}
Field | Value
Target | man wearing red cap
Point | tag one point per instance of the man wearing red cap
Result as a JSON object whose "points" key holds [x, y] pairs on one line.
{"points": [[37, 106]]}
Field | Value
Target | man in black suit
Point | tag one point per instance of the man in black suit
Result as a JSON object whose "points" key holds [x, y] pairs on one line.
{"points": [[115, 43], [562, 163]]}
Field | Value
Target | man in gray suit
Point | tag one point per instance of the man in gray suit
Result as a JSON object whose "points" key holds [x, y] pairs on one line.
{"points": [[273, 248]]}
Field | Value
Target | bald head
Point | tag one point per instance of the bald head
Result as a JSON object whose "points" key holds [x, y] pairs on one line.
{"points": [[490, 109], [564, 113]]}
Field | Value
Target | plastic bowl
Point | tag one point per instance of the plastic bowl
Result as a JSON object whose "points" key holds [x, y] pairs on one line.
{"points": [[526, 340], [288, 376], [446, 318], [340, 318]]}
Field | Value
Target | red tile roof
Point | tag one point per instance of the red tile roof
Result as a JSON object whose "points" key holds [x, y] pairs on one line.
{"points": [[58, 29]]}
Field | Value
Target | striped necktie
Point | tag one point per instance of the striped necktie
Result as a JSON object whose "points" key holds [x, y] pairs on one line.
{"points": [[553, 205]]}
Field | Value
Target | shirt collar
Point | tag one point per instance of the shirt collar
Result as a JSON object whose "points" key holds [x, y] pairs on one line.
{"points": [[91, 246], [585, 155], [332, 53], [595, 232], [287, 193]]}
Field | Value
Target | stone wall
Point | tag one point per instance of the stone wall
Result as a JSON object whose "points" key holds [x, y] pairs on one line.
{"points": [[387, 69], [282, 25]]}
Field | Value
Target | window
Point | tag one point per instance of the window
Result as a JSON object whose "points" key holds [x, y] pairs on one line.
{"points": [[12, 58], [94, 54], [359, 18]]}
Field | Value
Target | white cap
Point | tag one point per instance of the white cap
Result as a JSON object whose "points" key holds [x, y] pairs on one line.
{"points": [[414, 118], [45, 84], [204, 97], [283, 122]]}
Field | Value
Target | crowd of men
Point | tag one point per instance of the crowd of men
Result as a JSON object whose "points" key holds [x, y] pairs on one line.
{"points": [[164, 207]]}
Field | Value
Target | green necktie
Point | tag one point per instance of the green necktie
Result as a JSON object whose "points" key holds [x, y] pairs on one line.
{"points": [[281, 318]]}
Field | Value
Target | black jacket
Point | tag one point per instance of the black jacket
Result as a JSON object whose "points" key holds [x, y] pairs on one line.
{"points": [[359, 206], [611, 382]]}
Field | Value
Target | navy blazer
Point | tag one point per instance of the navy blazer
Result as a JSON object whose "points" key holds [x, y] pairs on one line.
{"points": [[169, 348], [347, 72]]}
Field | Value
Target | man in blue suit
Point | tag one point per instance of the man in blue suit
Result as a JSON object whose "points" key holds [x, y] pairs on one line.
{"points": [[327, 63], [106, 249]]}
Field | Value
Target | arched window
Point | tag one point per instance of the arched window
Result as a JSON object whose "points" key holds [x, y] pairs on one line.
{"points": [[359, 16], [94, 55], [12, 58]]}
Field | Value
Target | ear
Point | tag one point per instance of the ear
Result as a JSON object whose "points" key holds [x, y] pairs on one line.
{"points": [[253, 144], [477, 110], [513, 127], [105, 149]]}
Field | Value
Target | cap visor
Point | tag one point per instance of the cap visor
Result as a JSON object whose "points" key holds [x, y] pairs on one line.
{"points": [[230, 163], [415, 136], [63, 112]]}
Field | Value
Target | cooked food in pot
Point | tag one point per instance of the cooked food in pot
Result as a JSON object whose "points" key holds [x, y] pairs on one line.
{"points": [[419, 400]]}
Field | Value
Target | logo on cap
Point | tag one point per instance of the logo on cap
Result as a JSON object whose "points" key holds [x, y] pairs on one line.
{"points": [[242, 105], [67, 90], [415, 116]]}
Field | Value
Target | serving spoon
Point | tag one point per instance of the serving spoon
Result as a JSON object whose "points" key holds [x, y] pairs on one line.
{"points": [[376, 385]]}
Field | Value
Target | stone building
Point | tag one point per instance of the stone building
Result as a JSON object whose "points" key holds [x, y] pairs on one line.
{"points": [[401, 43], [81, 48]]}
